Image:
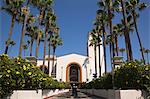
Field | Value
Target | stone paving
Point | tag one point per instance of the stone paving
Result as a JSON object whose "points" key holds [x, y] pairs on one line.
{"points": [[67, 95]]}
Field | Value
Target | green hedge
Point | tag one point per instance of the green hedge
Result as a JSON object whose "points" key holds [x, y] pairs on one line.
{"points": [[17, 73], [130, 75]]}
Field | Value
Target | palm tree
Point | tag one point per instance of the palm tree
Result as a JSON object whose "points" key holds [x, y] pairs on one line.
{"points": [[53, 25], [32, 33], [147, 51], [122, 50], [12, 7], [94, 42], [126, 32], [97, 31], [25, 11], [47, 22], [43, 6], [55, 41], [133, 6], [107, 6], [117, 30], [101, 20]]}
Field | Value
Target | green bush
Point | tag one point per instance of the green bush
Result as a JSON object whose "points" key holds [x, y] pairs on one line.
{"points": [[18, 73], [104, 82], [130, 75]]}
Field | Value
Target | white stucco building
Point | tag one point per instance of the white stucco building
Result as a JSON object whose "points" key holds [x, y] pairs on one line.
{"points": [[76, 67]]}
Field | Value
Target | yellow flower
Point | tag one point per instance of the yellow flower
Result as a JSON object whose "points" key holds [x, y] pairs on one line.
{"points": [[18, 62], [44, 78], [7, 75], [8, 71], [29, 73], [17, 72], [28, 64], [24, 67]]}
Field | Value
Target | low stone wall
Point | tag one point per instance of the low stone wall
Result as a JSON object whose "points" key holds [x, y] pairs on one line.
{"points": [[35, 94], [49, 93], [26, 94], [117, 94]]}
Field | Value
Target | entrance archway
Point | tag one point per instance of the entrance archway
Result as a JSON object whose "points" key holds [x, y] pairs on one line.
{"points": [[73, 72]]}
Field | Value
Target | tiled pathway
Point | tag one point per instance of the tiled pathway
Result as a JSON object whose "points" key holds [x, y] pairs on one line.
{"points": [[67, 95]]}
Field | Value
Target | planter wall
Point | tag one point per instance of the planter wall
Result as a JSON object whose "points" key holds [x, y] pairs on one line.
{"points": [[117, 94], [35, 94], [26, 94], [49, 93]]}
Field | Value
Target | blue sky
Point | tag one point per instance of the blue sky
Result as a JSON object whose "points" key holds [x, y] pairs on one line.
{"points": [[75, 19]]}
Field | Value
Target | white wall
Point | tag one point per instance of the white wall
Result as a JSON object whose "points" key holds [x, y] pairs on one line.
{"points": [[64, 61], [117, 94], [26, 94]]}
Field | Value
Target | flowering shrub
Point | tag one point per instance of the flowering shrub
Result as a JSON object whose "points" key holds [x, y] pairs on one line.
{"points": [[17, 73], [130, 75]]}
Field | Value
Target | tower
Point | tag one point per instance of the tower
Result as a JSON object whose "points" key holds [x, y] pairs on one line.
{"points": [[100, 67]]}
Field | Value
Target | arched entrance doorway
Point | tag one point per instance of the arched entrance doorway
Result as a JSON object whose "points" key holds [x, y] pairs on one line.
{"points": [[73, 72]]}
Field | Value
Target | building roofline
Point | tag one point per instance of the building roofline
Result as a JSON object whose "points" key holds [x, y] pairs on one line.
{"points": [[71, 53]]}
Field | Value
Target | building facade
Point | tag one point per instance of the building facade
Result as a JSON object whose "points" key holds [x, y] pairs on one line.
{"points": [[76, 67]]}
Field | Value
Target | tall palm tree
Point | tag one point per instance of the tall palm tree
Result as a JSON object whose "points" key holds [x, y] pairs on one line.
{"points": [[101, 20], [117, 30], [43, 6], [12, 7], [25, 11], [126, 32], [97, 31], [107, 5], [53, 25], [32, 33], [133, 6], [55, 41], [94, 42], [47, 24]]}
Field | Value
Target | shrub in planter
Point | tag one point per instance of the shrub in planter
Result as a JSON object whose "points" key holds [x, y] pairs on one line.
{"points": [[17, 73], [104, 82], [132, 75]]}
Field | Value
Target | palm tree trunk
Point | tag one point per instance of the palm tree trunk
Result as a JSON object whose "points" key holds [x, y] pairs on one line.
{"points": [[22, 35], [111, 28], [45, 39], [116, 42], [38, 36], [110, 50], [126, 35], [49, 58], [99, 53], [53, 67], [10, 32], [31, 46], [104, 43], [95, 76], [138, 35]]}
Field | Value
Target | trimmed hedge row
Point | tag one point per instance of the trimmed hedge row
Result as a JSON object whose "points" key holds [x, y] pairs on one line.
{"points": [[17, 73], [130, 75]]}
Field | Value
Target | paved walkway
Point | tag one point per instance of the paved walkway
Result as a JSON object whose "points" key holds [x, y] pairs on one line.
{"points": [[67, 95]]}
